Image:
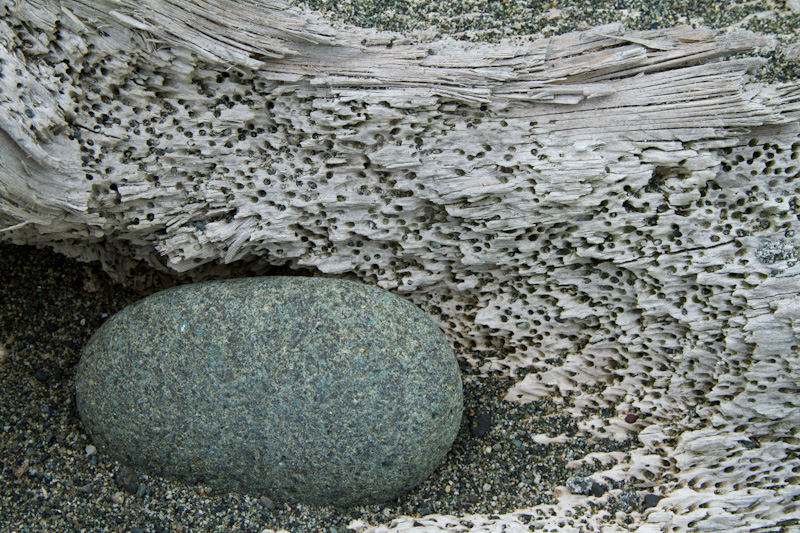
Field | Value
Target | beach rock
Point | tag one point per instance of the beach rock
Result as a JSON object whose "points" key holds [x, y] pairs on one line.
{"points": [[312, 390]]}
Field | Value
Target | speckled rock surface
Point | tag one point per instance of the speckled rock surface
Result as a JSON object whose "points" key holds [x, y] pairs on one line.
{"points": [[315, 390]]}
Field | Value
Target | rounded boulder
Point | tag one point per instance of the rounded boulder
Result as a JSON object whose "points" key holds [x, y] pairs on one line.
{"points": [[313, 390]]}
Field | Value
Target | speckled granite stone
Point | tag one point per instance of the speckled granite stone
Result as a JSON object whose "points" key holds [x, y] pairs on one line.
{"points": [[315, 390]]}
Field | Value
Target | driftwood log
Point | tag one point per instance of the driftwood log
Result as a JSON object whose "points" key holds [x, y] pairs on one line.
{"points": [[612, 211]]}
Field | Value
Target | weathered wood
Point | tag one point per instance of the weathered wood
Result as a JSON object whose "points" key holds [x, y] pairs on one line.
{"points": [[614, 211]]}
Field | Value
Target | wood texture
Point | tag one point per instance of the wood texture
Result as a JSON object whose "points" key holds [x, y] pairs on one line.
{"points": [[612, 211]]}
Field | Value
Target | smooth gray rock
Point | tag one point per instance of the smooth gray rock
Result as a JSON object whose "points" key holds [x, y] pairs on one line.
{"points": [[315, 390]]}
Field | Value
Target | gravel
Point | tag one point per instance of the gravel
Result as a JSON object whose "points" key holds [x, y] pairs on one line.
{"points": [[490, 20]]}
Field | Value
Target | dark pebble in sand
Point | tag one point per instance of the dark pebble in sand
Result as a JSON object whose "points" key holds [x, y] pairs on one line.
{"points": [[630, 418], [40, 375], [598, 489], [651, 500], [481, 424], [127, 479], [266, 503]]}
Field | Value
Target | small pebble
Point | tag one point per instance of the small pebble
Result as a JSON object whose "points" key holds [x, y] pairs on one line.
{"points": [[118, 498], [581, 485], [481, 424], [487, 487], [127, 479], [651, 500], [40, 375], [630, 418], [598, 489], [90, 450], [266, 503]]}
